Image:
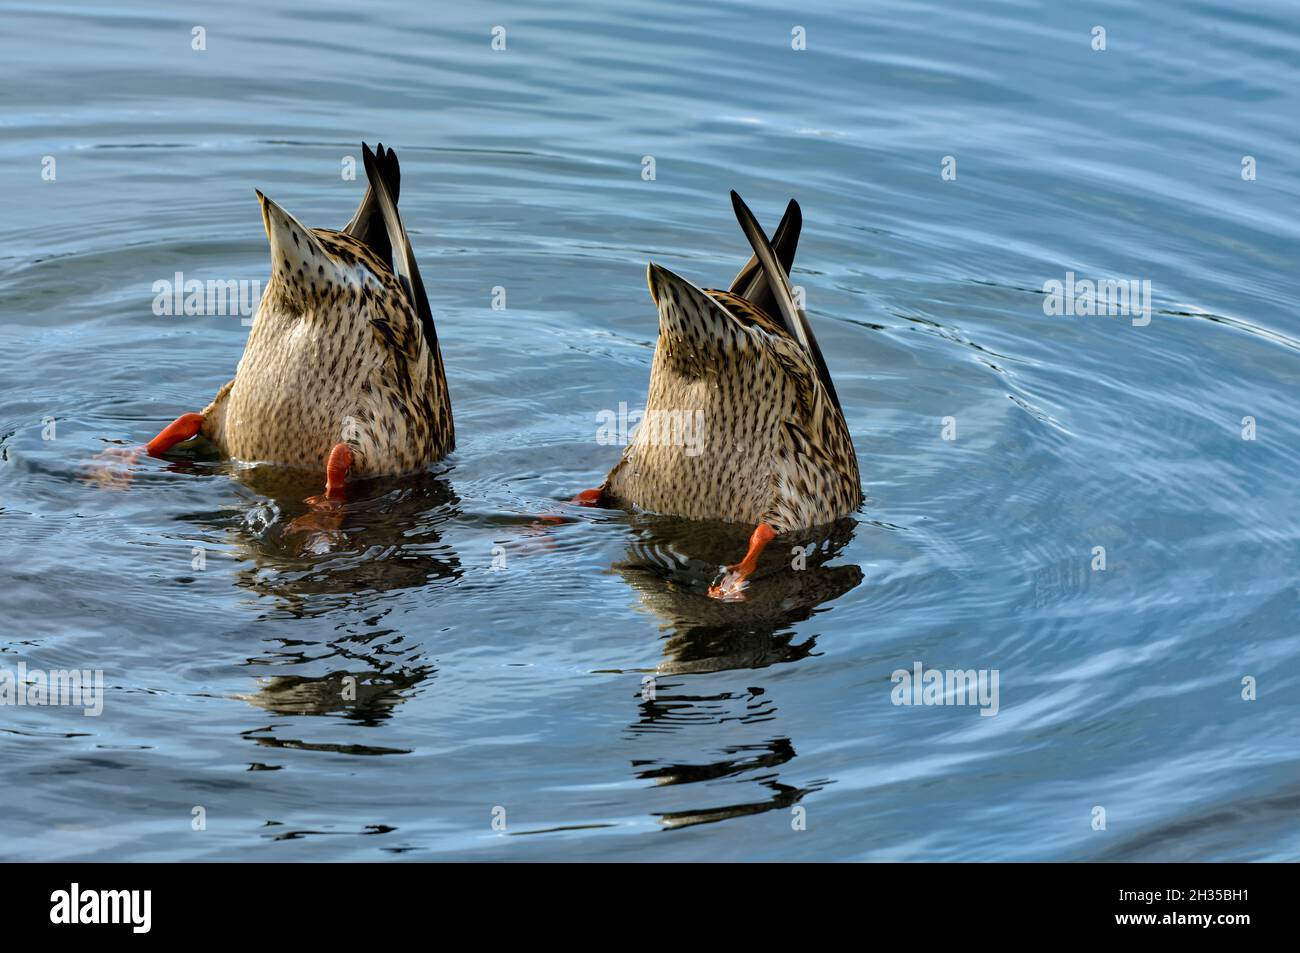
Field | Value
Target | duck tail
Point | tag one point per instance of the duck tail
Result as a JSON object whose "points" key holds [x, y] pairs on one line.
{"points": [[367, 224], [750, 283], [777, 277]]}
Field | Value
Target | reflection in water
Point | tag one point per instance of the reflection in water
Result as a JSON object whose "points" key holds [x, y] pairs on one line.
{"points": [[783, 796], [381, 672], [387, 540], [670, 568], [300, 745], [364, 696], [740, 758]]}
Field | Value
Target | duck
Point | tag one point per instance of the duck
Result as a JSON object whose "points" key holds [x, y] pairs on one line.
{"points": [[342, 370], [771, 447]]}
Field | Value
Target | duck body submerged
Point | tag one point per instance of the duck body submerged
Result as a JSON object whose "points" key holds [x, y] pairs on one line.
{"points": [[342, 368], [771, 445], [348, 363]]}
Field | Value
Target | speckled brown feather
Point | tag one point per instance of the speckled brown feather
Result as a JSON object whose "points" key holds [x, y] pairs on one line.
{"points": [[337, 353], [775, 448]]}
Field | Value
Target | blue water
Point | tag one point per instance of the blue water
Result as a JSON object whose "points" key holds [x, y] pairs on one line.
{"points": [[499, 662]]}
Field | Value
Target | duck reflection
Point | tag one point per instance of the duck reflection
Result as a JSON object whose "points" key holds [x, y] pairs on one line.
{"points": [[738, 761], [375, 671], [364, 696], [672, 563], [387, 538], [736, 714], [670, 567]]}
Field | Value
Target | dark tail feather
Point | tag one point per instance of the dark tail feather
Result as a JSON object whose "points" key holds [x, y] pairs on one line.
{"points": [[367, 225], [751, 284], [404, 266], [778, 282]]}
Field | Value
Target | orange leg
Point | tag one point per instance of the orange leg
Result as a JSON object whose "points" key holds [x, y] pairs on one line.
{"points": [[730, 588], [336, 471], [585, 498], [178, 431], [326, 514], [109, 468]]}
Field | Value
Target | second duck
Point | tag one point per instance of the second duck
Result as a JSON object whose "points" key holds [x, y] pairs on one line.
{"points": [[775, 451]]}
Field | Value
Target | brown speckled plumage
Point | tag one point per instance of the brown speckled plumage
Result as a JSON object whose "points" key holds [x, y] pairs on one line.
{"points": [[774, 447], [342, 349]]}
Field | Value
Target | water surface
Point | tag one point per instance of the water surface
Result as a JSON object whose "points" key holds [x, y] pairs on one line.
{"points": [[501, 664]]}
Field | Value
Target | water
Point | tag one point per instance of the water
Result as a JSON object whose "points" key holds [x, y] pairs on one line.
{"points": [[521, 687]]}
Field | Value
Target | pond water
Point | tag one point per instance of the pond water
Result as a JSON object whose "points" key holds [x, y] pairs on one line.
{"points": [[950, 163]]}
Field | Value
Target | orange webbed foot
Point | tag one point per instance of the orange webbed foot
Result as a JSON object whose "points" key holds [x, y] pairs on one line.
{"points": [[592, 497], [320, 529], [322, 523], [110, 468], [730, 586]]}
